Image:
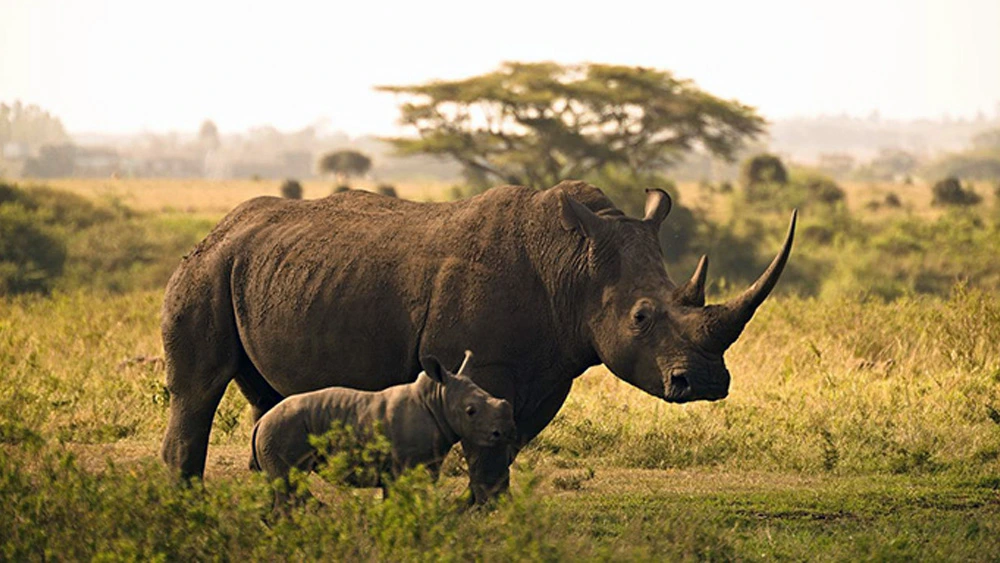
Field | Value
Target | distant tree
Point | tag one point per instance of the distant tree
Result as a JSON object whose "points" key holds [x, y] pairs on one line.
{"points": [[764, 169], [538, 123], [291, 189], [5, 124], [387, 189], [987, 140], [838, 165], [982, 164], [341, 189], [949, 191], [30, 125], [52, 162], [208, 135], [890, 164], [345, 164]]}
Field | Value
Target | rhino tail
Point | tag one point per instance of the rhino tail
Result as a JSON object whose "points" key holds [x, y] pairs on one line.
{"points": [[254, 463]]}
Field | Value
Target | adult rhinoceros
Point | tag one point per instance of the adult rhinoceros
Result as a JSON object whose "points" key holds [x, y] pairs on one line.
{"points": [[288, 296]]}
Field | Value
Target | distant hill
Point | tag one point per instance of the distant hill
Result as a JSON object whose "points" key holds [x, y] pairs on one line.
{"points": [[266, 152], [805, 139]]}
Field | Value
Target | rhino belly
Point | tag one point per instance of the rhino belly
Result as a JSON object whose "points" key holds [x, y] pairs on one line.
{"points": [[308, 325]]}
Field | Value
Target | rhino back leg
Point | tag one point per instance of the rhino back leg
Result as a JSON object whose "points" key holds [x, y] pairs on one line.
{"points": [[203, 354], [489, 471], [258, 392]]}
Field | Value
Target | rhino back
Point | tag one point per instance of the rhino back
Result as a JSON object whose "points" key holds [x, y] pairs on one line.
{"points": [[350, 290]]}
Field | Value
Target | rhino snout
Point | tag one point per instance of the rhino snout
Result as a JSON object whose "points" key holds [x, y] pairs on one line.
{"points": [[505, 429], [683, 386], [505, 433]]}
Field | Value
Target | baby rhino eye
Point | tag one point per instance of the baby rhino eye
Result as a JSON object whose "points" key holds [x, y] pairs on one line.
{"points": [[470, 410]]}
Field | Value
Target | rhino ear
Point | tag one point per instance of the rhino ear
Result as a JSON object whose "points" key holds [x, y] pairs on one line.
{"points": [[433, 369], [576, 216], [658, 204]]}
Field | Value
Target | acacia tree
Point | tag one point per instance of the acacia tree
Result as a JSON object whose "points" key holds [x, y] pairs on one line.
{"points": [[345, 164], [208, 135], [538, 123]]}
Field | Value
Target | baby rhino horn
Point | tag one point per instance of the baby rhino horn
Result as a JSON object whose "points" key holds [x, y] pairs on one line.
{"points": [[465, 362]]}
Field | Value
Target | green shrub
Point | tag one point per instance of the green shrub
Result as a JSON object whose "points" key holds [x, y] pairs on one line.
{"points": [[50, 239], [129, 254], [822, 189], [32, 253], [764, 169], [55, 508], [949, 191], [802, 189]]}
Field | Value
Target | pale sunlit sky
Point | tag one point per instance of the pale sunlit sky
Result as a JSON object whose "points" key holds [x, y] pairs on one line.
{"points": [[132, 65]]}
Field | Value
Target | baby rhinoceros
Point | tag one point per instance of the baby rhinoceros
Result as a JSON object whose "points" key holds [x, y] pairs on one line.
{"points": [[421, 420]]}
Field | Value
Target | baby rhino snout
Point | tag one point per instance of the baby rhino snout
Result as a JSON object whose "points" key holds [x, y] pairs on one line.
{"points": [[504, 428]]}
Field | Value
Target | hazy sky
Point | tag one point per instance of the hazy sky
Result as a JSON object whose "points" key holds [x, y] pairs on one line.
{"points": [[131, 65]]}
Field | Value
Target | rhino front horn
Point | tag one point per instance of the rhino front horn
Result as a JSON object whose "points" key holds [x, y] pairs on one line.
{"points": [[733, 316]]}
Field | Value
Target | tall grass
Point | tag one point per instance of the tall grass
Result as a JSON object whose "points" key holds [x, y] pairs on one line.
{"points": [[851, 386], [55, 509]]}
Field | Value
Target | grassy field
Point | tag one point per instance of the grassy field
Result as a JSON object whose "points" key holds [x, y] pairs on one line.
{"points": [[856, 429], [219, 196]]}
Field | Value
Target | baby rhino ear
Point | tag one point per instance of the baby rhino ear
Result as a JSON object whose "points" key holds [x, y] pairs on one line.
{"points": [[432, 367]]}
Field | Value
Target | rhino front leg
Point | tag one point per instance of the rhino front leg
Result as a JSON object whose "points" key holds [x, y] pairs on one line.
{"points": [[530, 424], [489, 471], [489, 468]]}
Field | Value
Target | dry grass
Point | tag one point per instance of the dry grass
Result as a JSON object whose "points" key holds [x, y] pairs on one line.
{"points": [[219, 196], [853, 430], [212, 196]]}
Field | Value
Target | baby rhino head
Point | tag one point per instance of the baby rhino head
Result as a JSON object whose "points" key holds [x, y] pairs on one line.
{"points": [[474, 414]]}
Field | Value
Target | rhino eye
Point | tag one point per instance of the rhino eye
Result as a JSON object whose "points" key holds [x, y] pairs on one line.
{"points": [[642, 316], [470, 410]]}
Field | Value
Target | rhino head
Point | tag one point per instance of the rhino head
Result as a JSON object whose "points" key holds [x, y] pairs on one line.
{"points": [[648, 331], [471, 412]]}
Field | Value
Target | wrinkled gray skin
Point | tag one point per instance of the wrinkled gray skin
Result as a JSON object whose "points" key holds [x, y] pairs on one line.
{"points": [[422, 421], [542, 284]]}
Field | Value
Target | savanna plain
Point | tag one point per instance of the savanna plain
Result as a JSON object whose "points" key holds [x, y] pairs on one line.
{"points": [[863, 421]]}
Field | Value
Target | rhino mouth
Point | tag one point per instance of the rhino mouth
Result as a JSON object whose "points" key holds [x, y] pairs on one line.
{"points": [[680, 390]]}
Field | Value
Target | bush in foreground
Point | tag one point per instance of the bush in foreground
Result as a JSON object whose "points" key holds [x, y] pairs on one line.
{"points": [[56, 509]]}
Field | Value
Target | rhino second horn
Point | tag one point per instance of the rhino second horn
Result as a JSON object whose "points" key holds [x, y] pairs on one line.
{"points": [[692, 293], [736, 313]]}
